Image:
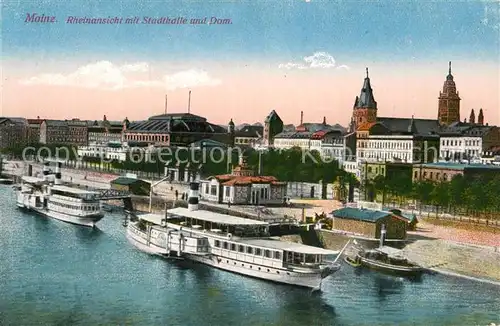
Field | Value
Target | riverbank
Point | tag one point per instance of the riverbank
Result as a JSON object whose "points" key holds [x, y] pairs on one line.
{"points": [[457, 259], [479, 263]]}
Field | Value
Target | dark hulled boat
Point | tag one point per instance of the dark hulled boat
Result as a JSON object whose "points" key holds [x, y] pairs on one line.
{"points": [[387, 260]]}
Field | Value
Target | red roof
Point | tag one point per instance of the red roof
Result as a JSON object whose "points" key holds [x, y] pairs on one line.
{"points": [[235, 180], [319, 134], [365, 126]]}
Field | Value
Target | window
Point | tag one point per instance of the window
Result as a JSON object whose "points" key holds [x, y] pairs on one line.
{"points": [[249, 250], [241, 248], [267, 253], [224, 245], [277, 255], [233, 247], [217, 243], [228, 191], [258, 252], [213, 190]]}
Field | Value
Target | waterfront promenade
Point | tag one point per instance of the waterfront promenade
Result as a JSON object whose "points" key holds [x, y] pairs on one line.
{"points": [[462, 250]]}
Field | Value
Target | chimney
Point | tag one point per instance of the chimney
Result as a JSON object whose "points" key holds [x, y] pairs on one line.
{"points": [[45, 170], [58, 179], [301, 117], [193, 196], [324, 121], [189, 102], [104, 118]]}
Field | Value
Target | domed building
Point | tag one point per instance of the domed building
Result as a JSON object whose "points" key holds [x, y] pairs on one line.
{"points": [[173, 129]]}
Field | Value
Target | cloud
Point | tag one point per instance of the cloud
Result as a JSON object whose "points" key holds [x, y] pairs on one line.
{"points": [[108, 76], [190, 78], [321, 60], [343, 67]]}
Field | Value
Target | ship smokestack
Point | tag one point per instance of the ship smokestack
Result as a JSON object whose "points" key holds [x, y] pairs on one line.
{"points": [[383, 234], [193, 196], [58, 179], [46, 170]]}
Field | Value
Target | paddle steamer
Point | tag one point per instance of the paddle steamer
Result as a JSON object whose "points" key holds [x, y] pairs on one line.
{"points": [[230, 243], [48, 196]]}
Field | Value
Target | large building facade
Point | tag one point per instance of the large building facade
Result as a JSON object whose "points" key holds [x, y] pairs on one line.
{"points": [[173, 129], [13, 132]]}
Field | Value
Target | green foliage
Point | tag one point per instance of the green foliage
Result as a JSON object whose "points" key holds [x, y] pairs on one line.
{"points": [[478, 196]]}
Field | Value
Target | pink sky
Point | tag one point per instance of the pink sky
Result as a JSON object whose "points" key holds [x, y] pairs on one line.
{"points": [[245, 93]]}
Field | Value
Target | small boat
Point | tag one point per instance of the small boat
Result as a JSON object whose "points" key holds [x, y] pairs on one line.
{"points": [[6, 182], [388, 260], [354, 262]]}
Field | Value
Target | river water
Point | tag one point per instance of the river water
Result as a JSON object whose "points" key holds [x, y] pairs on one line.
{"points": [[53, 273]]}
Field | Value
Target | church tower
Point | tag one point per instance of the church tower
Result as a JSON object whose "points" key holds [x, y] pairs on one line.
{"points": [[449, 102], [365, 106]]}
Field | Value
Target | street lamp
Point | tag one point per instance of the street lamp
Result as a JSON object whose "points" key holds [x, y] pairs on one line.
{"points": [[151, 190]]}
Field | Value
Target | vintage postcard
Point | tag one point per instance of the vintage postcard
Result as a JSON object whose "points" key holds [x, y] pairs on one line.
{"points": [[266, 162]]}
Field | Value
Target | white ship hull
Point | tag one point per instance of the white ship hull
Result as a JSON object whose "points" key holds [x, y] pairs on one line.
{"points": [[29, 204], [308, 279]]}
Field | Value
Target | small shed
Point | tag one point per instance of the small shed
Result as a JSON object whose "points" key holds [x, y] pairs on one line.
{"points": [[133, 185], [410, 218], [369, 222]]}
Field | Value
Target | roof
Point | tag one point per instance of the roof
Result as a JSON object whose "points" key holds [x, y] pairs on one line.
{"points": [[362, 214], [207, 143], [153, 218], [272, 115], [126, 181], [236, 180], [389, 251], [366, 126], [288, 246], [56, 123], [32, 179], [458, 166], [465, 129], [175, 122], [295, 134], [323, 133], [71, 190], [214, 217], [409, 217], [250, 131], [400, 125], [366, 98], [17, 121]]}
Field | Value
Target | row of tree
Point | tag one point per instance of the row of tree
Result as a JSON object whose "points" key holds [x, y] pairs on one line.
{"points": [[470, 196], [294, 165]]}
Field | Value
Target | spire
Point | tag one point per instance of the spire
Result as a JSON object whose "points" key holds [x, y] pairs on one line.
{"points": [[450, 76], [366, 98], [472, 117], [480, 117], [412, 128]]}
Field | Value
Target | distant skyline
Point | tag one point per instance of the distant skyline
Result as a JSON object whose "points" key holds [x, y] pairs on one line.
{"points": [[289, 56]]}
